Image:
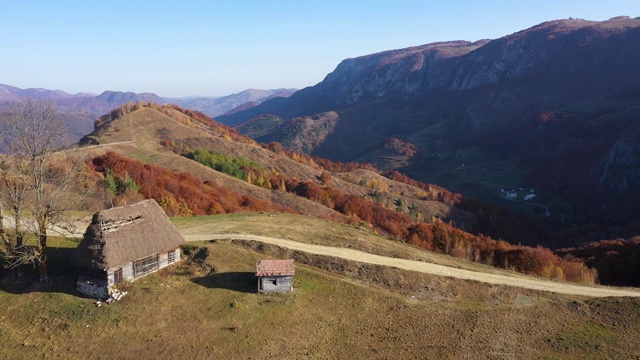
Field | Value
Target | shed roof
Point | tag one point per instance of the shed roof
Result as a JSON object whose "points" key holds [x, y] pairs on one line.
{"points": [[275, 268], [124, 234]]}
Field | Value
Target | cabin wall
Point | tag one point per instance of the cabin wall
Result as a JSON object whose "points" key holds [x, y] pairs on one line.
{"points": [[100, 287], [177, 255], [168, 258], [275, 284], [127, 273], [163, 261]]}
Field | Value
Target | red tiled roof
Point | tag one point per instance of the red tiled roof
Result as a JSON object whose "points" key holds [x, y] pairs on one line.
{"points": [[275, 268]]}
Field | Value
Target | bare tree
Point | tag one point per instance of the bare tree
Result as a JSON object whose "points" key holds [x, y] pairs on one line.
{"points": [[14, 253], [36, 182]]}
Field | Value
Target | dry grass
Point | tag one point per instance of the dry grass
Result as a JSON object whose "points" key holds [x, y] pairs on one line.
{"points": [[321, 232], [138, 135], [341, 312], [339, 309]]}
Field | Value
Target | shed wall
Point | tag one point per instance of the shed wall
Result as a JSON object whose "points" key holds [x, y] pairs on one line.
{"points": [[275, 284]]}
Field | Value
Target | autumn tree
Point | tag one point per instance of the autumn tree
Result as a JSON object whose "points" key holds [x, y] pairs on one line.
{"points": [[36, 182], [325, 178]]}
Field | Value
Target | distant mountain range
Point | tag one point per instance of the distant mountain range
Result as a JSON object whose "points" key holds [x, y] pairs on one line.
{"points": [[79, 111], [215, 106], [554, 107]]}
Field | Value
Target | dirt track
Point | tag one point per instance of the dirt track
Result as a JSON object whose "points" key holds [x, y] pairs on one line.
{"points": [[428, 268]]}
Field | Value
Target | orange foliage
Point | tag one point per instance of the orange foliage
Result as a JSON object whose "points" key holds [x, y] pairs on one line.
{"points": [[617, 261], [434, 192], [401, 147], [181, 194], [444, 238], [325, 178]]}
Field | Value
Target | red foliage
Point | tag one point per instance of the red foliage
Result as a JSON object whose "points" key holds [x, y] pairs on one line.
{"points": [[421, 235], [434, 192], [617, 261], [343, 167], [181, 193], [444, 238], [401, 147]]}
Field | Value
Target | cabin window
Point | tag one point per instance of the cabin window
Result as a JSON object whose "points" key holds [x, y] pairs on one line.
{"points": [[145, 265], [117, 276], [274, 282], [171, 255]]}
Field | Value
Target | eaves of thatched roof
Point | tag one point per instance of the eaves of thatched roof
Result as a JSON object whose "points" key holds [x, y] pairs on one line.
{"points": [[123, 234]]}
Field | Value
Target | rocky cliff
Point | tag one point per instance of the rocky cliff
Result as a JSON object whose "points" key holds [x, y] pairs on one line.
{"points": [[553, 107]]}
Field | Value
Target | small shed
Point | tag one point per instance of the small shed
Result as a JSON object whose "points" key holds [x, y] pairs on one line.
{"points": [[125, 243], [275, 275]]}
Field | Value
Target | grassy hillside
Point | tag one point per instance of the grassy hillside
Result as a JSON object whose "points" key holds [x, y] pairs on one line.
{"points": [[339, 309], [420, 214], [140, 134]]}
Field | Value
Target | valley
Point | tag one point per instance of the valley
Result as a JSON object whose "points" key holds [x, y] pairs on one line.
{"points": [[452, 200], [516, 111]]}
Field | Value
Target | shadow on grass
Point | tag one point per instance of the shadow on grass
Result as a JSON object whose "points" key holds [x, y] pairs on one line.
{"points": [[62, 273], [245, 282]]}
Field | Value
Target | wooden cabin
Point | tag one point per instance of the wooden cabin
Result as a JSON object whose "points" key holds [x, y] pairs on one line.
{"points": [[124, 244], [275, 275]]}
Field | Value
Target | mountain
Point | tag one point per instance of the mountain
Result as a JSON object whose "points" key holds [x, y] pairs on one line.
{"points": [[148, 130], [300, 134], [192, 165], [106, 101], [358, 287], [77, 111], [214, 106], [551, 109], [12, 93]]}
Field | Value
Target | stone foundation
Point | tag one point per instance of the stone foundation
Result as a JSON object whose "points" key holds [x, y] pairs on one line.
{"points": [[93, 290]]}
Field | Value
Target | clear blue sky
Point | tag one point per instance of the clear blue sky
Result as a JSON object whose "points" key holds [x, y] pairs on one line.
{"points": [[218, 47]]}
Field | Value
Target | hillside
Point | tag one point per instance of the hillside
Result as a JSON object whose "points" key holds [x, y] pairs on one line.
{"points": [[345, 307], [141, 133], [219, 171], [550, 108], [338, 308]]}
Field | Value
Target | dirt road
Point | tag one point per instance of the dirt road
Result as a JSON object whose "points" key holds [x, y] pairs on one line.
{"points": [[428, 268]]}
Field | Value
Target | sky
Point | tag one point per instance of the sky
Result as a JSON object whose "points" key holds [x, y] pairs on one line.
{"points": [[220, 47]]}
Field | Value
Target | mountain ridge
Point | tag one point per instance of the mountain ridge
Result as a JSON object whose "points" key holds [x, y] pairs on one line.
{"points": [[214, 106], [79, 111], [548, 106]]}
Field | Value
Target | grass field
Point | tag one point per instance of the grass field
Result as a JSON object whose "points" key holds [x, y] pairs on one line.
{"points": [[321, 232], [338, 309]]}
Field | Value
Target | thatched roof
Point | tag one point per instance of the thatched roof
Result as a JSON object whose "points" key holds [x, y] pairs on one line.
{"points": [[275, 268], [123, 234]]}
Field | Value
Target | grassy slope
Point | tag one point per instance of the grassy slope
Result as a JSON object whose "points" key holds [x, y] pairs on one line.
{"points": [[145, 126], [320, 232], [337, 310]]}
